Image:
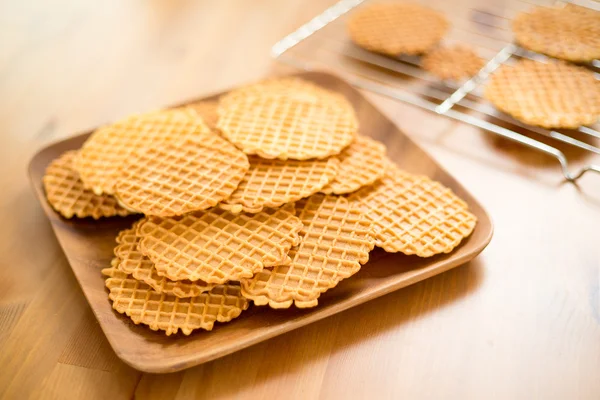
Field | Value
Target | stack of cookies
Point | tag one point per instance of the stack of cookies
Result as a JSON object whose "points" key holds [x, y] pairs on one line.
{"points": [[271, 196]]}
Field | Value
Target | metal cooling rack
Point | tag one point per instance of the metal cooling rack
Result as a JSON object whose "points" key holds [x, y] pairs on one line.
{"points": [[322, 43]]}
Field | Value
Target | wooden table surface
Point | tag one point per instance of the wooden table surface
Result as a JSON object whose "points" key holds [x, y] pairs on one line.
{"points": [[522, 321]]}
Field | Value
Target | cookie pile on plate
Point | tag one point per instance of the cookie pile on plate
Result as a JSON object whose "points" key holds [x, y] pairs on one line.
{"points": [[270, 196]]}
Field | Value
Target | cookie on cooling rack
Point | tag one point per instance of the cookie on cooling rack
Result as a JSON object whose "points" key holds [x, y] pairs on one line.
{"points": [[397, 28], [570, 32], [454, 62], [550, 95]]}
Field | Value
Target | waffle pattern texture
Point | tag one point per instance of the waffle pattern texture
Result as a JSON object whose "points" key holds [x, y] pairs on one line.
{"points": [[272, 183], [169, 313], [361, 164], [553, 95], [334, 245], [102, 156], [571, 32], [394, 29], [414, 215], [216, 246], [67, 195], [453, 63], [187, 175], [130, 260], [286, 124]]}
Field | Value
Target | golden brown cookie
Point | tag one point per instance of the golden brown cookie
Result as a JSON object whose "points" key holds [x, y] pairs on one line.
{"points": [[103, 154], [272, 183], [456, 62], [130, 260], [182, 176], [335, 243], [217, 246], [552, 95], [169, 313], [414, 215], [571, 32], [397, 28], [66, 194], [301, 123], [361, 163]]}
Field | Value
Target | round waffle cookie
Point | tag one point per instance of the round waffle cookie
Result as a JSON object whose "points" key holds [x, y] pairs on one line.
{"points": [[456, 62], [216, 246], [414, 215], [335, 244], [187, 175], [272, 183], [553, 95], [100, 159], [570, 33], [361, 164], [394, 29], [288, 124], [161, 311], [66, 194], [131, 261]]}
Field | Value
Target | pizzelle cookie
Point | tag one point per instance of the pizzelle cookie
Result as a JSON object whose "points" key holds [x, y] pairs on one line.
{"points": [[397, 28], [165, 312], [571, 32], [288, 124], [361, 163], [553, 95], [183, 176], [456, 62], [131, 261], [103, 154], [414, 215], [216, 246], [272, 183], [66, 194], [335, 244]]}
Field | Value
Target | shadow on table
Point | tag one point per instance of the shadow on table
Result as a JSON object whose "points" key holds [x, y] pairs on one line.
{"points": [[308, 345]]}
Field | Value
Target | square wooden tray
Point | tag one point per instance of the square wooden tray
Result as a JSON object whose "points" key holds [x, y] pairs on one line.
{"points": [[89, 244]]}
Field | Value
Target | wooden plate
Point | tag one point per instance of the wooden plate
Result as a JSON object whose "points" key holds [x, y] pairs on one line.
{"points": [[88, 245]]}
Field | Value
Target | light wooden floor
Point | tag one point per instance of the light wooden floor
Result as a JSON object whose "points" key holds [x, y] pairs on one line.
{"points": [[520, 322]]}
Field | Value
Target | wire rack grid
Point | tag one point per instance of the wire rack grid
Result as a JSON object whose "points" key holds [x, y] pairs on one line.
{"points": [[323, 43]]}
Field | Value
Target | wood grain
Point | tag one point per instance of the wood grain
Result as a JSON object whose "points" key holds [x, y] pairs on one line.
{"points": [[88, 245], [520, 322]]}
